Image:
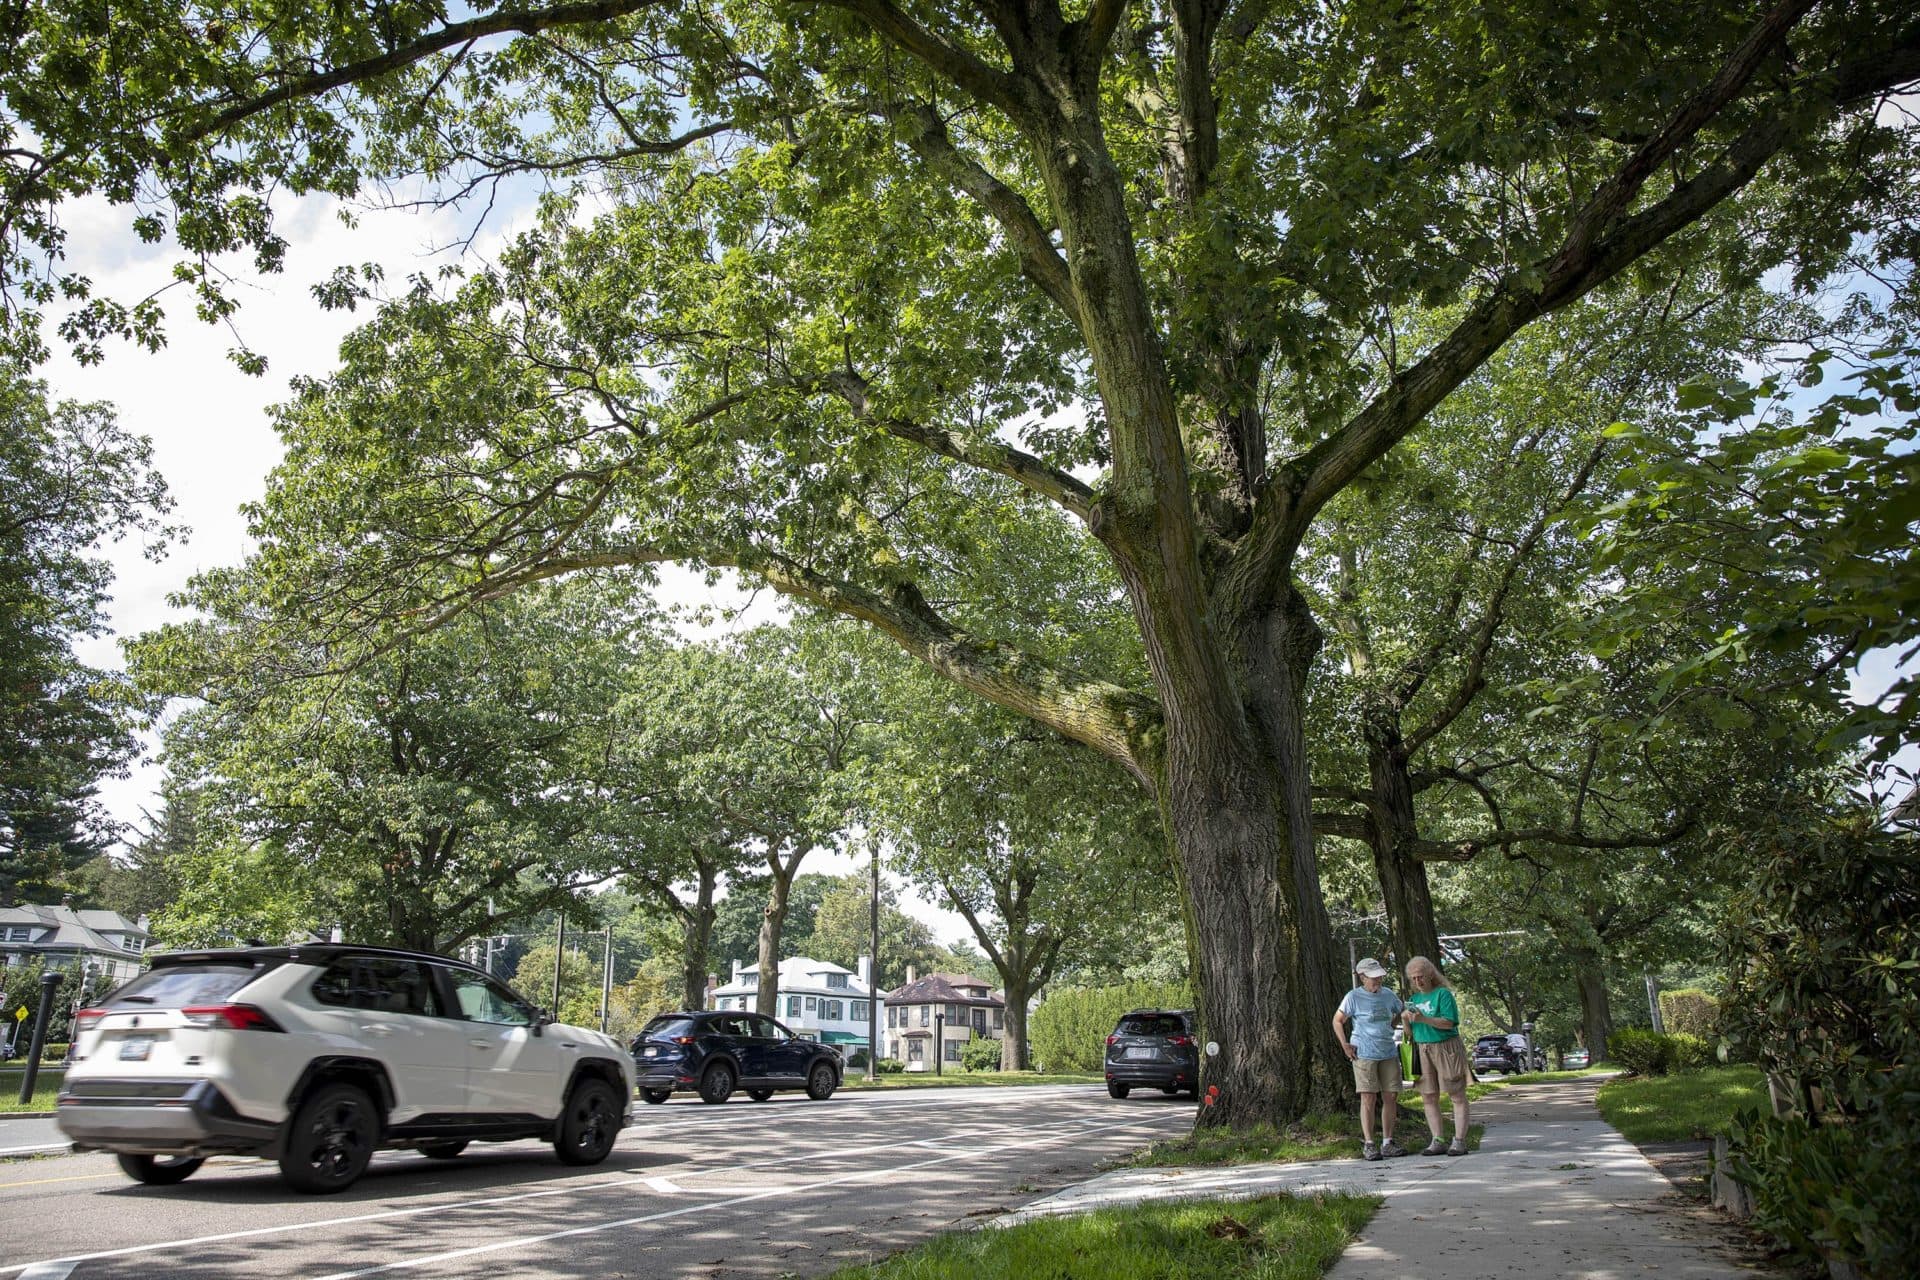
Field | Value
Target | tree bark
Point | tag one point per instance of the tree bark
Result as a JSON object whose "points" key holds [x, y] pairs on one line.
{"points": [[696, 931], [1013, 1034], [1596, 1013], [773, 920], [1395, 830]]}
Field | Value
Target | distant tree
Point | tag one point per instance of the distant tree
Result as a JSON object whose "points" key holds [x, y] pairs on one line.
{"points": [[72, 480]]}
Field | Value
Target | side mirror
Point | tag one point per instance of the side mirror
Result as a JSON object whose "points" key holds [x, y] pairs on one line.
{"points": [[541, 1020]]}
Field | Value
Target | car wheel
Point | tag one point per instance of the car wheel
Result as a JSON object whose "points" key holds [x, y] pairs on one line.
{"points": [[821, 1082], [589, 1124], [330, 1141], [445, 1150], [655, 1096], [716, 1085], [759, 1095], [1170, 1089], [159, 1171], [1118, 1090]]}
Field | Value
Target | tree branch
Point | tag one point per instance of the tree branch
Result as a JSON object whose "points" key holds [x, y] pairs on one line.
{"points": [[965, 71]]}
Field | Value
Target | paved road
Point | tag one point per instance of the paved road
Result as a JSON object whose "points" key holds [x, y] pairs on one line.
{"points": [[740, 1190]]}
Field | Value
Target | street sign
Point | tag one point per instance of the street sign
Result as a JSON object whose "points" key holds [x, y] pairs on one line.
{"points": [[20, 1014]]}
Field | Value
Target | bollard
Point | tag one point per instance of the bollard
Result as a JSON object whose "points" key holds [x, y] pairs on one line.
{"points": [[31, 1077]]}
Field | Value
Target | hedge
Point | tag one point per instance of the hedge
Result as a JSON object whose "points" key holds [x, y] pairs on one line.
{"points": [[1068, 1032]]}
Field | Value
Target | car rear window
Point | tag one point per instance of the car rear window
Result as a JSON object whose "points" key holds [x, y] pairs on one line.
{"points": [[180, 985], [1152, 1024], [663, 1028]]}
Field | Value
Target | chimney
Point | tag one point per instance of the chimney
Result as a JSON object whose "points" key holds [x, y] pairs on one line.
{"points": [[913, 973], [865, 966]]}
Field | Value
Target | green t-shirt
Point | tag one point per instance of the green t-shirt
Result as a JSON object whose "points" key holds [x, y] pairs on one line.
{"points": [[1437, 1003]]}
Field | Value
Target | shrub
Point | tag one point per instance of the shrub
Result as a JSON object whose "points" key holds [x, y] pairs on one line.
{"points": [[54, 1051], [980, 1055], [1690, 1011], [889, 1066], [1688, 1052], [1642, 1051], [1068, 1032]]}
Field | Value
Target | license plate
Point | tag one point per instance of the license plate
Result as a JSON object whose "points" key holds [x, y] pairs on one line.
{"points": [[136, 1048], [1139, 1053], [651, 1051]]}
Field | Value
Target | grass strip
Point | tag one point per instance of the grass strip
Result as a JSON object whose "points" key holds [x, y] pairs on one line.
{"points": [[961, 1079], [1684, 1106], [1271, 1238], [1317, 1137]]}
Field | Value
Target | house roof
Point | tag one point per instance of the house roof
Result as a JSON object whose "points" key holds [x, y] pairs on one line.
{"points": [[799, 975], [64, 929], [945, 988]]}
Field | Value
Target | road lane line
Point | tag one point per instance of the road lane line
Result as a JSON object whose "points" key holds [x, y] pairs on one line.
{"points": [[40, 1182], [595, 1228], [49, 1271], [568, 1186], [664, 1186]]}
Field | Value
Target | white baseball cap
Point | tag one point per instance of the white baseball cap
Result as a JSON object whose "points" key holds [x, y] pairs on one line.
{"points": [[1370, 968]]}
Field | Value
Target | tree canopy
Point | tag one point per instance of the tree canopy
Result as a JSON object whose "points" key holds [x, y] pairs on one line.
{"points": [[837, 294]]}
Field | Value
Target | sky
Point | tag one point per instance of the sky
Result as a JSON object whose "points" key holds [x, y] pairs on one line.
{"points": [[214, 443]]}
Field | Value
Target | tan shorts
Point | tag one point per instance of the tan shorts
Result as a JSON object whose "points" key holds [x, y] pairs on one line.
{"points": [[1376, 1075], [1443, 1067]]}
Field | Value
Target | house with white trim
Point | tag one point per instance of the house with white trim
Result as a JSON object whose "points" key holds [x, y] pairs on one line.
{"points": [[817, 998], [929, 1020], [105, 944]]}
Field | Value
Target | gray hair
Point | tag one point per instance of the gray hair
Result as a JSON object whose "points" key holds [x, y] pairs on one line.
{"points": [[1439, 978]]}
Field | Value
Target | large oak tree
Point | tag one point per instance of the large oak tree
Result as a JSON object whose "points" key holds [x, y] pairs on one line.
{"points": [[846, 287]]}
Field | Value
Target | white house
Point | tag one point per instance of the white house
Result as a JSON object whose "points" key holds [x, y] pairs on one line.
{"points": [[105, 944], [816, 998]]}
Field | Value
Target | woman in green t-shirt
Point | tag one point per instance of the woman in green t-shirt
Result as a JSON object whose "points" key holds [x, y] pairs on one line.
{"points": [[1433, 1016]]}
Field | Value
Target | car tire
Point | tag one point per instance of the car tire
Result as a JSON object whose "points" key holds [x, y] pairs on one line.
{"points": [[655, 1096], [1118, 1090], [159, 1171], [716, 1083], [1170, 1089], [589, 1124], [330, 1139], [444, 1150], [821, 1082], [759, 1095]]}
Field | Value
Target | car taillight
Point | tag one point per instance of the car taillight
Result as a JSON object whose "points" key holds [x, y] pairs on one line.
{"points": [[683, 1039], [1179, 1040], [235, 1017], [85, 1020], [1113, 1039]]}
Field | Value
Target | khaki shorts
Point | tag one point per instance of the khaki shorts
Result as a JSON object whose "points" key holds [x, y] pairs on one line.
{"points": [[1376, 1075], [1443, 1067]]}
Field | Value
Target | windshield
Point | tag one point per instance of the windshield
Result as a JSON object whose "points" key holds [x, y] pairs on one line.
{"points": [[666, 1028], [1152, 1024], [180, 985]]}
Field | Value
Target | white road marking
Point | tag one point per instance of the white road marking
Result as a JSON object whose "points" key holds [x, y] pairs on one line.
{"points": [[49, 1271], [864, 1175], [27, 1151], [664, 1186], [566, 1186]]}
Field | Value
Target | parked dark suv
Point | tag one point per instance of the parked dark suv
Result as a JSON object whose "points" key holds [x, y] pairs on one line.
{"points": [[712, 1053], [1153, 1047]]}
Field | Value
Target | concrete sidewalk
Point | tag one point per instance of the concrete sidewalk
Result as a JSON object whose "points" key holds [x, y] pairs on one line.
{"points": [[1553, 1191]]}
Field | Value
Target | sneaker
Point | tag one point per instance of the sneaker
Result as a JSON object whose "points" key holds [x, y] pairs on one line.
{"points": [[1369, 1152], [1435, 1148], [1389, 1149], [1459, 1147]]}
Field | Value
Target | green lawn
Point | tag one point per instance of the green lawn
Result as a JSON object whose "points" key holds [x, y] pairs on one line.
{"points": [[1675, 1108], [959, 1079], [1276, 1238], [43, 1094], [1314, 1138]]}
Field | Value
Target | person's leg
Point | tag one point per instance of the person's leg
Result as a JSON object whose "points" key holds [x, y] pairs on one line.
{"points": [[1389, 1108], [1460, 1117], [1367, 1103]]}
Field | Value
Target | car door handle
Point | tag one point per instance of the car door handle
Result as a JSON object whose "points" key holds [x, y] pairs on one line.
{"points": [[376, 1028], [481, 1044]]}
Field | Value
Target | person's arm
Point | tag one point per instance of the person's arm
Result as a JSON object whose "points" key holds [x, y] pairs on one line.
{"points": [[1438, 1022], [1340, 1024]]}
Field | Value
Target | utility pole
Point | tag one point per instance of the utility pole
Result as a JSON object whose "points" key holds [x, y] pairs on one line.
{"points": [[606, 981], [873, 972], [559, 954], [939, 1040], [1653, 1002]]}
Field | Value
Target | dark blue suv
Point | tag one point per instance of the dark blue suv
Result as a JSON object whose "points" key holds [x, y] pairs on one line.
{"points": [[714, 1052], [1155, 1048]]}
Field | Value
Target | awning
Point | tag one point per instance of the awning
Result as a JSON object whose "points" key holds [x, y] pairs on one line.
{"points": [[844, 1037]]}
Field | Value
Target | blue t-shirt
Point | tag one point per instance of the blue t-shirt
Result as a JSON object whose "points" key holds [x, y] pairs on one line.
{"points": [[1370, 1016]]}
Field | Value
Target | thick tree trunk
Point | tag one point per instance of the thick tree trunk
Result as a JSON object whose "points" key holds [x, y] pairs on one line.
{"points": [[773, 920], [1239, 813], [696, 931], [1596, 1013], [1403, 878], [1013, 1034]]}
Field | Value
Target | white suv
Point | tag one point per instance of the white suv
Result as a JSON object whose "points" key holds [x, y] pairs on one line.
{"points": [[316, 1055]]}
